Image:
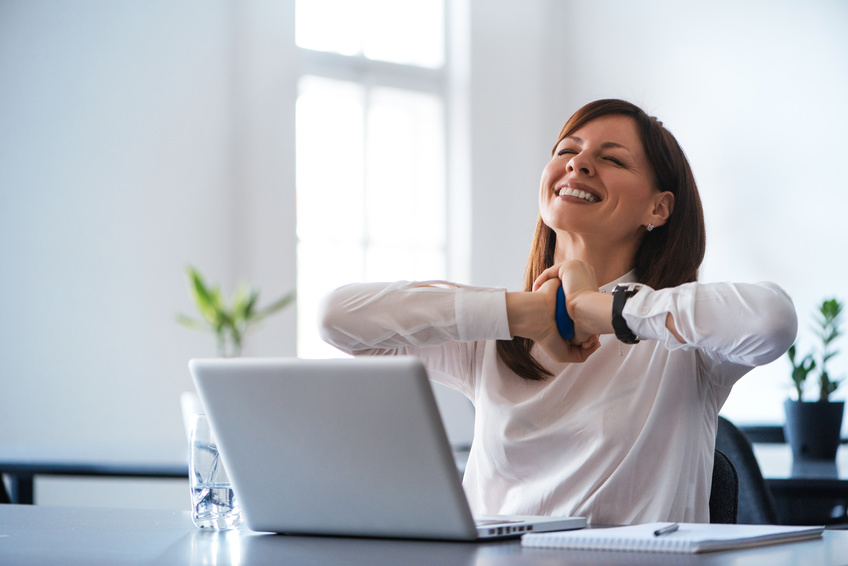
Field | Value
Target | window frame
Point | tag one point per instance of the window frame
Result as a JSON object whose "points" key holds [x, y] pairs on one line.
{"points": [[371, 74]]}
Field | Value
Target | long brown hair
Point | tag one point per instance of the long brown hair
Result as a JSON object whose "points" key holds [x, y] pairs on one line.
{"points": [[668, 256]]}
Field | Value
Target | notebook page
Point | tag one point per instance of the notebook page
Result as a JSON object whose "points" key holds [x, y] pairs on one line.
{"points": [[689, 538]]}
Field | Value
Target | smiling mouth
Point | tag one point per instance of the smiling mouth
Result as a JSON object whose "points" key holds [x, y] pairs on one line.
{"points": [[577, 193]]}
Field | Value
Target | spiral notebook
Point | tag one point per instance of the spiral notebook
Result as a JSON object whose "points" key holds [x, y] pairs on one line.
{"points": [[689, 538]]}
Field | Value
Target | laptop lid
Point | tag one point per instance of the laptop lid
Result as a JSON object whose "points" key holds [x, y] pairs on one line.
{"points": [[351, 447]]}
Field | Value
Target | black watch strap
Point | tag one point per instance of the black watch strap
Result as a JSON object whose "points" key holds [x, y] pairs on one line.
{"points": [[619, 297]]}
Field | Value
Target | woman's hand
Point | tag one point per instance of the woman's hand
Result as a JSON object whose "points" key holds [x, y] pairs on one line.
{"points": [[576, 350], [588, 308], [577, 277], [531, 315]]}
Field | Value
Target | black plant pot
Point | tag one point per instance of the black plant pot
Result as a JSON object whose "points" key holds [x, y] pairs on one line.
{"points": [[813, 429]]}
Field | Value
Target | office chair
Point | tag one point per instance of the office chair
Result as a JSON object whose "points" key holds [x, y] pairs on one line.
{"points": [[756, 503], [724, 495]]}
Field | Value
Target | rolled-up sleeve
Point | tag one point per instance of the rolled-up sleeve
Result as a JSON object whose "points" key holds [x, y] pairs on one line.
{"points": [[362, 317], [742, 323]]}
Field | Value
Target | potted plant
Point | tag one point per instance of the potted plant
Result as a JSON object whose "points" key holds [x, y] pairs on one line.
{"points": [[813, 429], [231, 322]]}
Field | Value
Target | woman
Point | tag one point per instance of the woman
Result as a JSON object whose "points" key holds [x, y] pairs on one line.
{"points": [[617, 424]]}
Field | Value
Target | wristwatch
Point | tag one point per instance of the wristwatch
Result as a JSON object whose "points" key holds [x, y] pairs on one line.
{"points": [[620, 294]]}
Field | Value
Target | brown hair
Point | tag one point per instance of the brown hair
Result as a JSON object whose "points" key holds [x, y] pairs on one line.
{"points": [[668, 256]]}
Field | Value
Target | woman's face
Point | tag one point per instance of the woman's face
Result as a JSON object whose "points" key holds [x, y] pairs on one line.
{"points": [[599, 183]]}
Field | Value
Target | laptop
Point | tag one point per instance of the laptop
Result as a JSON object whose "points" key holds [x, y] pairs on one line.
{"points": [[343, 447]]}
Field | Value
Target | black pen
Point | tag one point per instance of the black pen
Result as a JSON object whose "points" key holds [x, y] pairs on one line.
{"points": [[666, 530]]}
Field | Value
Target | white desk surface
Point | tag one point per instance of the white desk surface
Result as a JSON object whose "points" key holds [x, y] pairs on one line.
{"points": [[35, 535]]}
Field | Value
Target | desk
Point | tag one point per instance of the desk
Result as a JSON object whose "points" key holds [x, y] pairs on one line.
{"points": [[22, 463], [90, 536], [806, 493]]}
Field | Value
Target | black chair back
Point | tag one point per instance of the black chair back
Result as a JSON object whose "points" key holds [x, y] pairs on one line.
{"points": [[756, 503], [724, 495]]}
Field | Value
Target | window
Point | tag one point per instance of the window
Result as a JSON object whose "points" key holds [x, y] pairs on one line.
{"points": [[408, 32], [370, 142]]}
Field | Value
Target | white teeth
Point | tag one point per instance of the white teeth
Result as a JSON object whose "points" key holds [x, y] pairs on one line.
{"points": [[569, 192]]}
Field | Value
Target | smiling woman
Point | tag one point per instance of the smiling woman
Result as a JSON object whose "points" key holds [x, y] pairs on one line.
{"points": [[635, 155], [618, 423]]}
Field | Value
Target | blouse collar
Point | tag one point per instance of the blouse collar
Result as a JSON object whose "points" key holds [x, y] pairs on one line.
{"points": [[629, 277]]}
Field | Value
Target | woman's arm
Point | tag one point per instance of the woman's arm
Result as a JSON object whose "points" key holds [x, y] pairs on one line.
{"points": [[370, 318], [361, 317], [747, 324]]}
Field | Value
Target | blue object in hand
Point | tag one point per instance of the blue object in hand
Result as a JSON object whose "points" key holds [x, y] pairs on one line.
{"points": [[564, 323]]}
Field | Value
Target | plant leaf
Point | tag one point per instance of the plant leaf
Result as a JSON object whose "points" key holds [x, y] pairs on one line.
{"points": [[240, 299], [189, 322], [279, 304], [207, 300], [250, 305]]}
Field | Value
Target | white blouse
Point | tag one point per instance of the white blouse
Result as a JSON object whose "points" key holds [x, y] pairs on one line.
{"points": [[626, 437]]}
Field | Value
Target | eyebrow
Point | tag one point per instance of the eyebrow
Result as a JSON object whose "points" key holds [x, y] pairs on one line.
{"points": [[605, 145]]}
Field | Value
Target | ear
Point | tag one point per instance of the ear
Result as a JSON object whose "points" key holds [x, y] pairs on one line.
{"points": [[663, 207]]}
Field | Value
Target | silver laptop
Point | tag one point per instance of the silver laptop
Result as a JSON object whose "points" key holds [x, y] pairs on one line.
{"points": [[343, 447]]}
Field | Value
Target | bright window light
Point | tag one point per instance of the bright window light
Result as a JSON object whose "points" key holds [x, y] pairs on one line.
{"points": [[371, 171], [409, 32], [370, 192], [405, 199], [330, 168]]}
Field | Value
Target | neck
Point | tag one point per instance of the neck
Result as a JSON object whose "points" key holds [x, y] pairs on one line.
{"points": [[610, 261]]}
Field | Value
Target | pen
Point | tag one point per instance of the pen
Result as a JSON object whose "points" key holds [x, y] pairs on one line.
{"points": [[667, 530]]}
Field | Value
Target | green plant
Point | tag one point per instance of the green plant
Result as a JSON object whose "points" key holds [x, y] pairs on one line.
{"points": [[800, 370], [827, 328], [228, 323], [829, 321]]}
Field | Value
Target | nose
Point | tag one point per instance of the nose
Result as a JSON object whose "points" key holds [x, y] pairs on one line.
{"points": [[582, 163]]}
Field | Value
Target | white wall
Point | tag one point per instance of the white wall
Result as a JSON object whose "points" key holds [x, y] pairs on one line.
{"points": [[135, 137], [138, 136], [116, 124], [515, 117]]}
